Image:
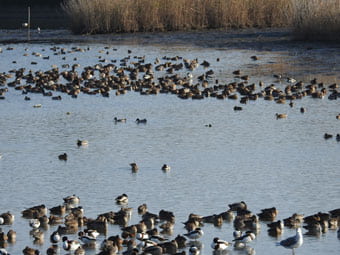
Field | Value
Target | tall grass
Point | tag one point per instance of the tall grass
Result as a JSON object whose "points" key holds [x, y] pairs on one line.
{"points": [[105, 16], [310, 19], [317, 20]]}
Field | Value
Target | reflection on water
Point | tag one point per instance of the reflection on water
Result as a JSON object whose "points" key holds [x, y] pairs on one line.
{"points": [[247, 155]]}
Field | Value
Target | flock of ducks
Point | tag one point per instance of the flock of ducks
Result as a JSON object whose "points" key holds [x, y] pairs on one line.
{"points": [[154, 233], [170, 75]]}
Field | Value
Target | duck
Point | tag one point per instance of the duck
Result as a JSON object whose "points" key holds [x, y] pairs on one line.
{"points": [[292, 242], [7, 218], [87, 240], [70, 245], [142, 209], [63, 156], [11, 236], [119, 120], [141, 121], [73, 199], [281, 116], [122, 199], [327, 136], [55, 237], [237, 206], [166, 167], [134, 167], [219, 245], [193, 250], [246, 238], [30, 251], [82, 143], [3, 251], [91, 232], [58, 210], [34, 223], [195, 234]]}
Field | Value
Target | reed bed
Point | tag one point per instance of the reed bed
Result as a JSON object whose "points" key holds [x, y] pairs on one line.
{"points": [[107, 16], [309, 19], [317, 20]]}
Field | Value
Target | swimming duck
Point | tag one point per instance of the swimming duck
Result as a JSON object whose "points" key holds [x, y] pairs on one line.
{"points": [[70, 245], [87, 240], [7, 218], [30, 251], [55, 237], [11, 236], [134, 167], [3, 251], [195, 234], [63, 156], [122, 199], [236, 206], [281, 115], [34, 223], [246, 238], [141, 121], [82, 143], [193, 250], [166, 167], [73, 199], [91, 232], [219, 245], [119, 120]]}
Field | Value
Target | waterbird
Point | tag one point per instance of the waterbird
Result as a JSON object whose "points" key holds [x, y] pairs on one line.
{"points": [[281, 116], [3, 251], [166, 167], [87, 240], [292, 242], [246, 238], [122, 199], [34, 223], [193, 250], [134, 167], [219, 245], [141, 121], [82, 142], [63, 156], [195, 234], [70, 245], [55, 237], [123, 120]]}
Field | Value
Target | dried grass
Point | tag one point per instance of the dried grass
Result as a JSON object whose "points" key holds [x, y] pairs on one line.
{"points": [[310, 19]]}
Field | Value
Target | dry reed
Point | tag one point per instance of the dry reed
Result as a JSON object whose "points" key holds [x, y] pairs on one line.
{"points": [[310, 19], [317, 20], [105, 16]]}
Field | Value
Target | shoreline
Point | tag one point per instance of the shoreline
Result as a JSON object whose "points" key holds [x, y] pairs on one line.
{"points": [[257, 39]]}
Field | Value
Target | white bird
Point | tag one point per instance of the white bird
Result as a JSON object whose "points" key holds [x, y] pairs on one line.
{"points": [[122, 199], [70, 245], [38, 30], [3, 252], [142, 236], [193, 250], [219, 245], [88, 240], [55, 237], [195, 234], [246, 238], [34, 223], [292, 242]]}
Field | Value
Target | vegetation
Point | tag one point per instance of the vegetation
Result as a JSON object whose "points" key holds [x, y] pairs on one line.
{"points": [[310, 19]]}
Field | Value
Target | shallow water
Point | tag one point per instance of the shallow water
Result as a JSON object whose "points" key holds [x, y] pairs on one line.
{"points": [[247, 155]]}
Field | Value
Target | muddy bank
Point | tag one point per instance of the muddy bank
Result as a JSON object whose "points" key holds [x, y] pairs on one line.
{"points": [[264, 39]]}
